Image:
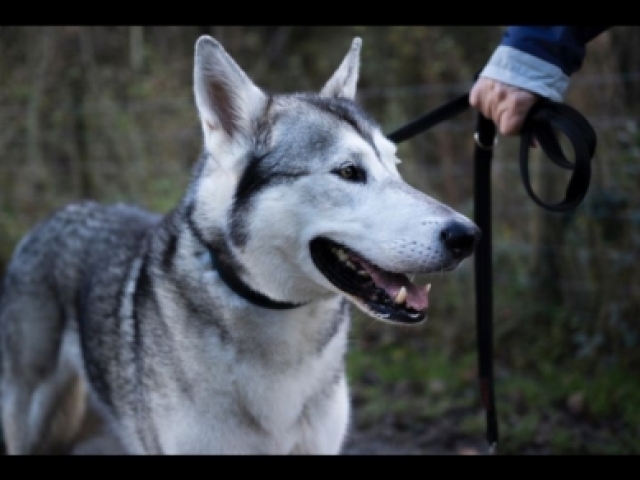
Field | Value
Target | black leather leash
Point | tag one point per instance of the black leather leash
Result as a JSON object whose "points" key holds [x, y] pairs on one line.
{"points": [[541, 124]]}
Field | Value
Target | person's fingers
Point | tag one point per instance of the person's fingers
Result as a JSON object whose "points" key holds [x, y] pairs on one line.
{"points": [[507, 113], [480, 95], [505, 104], [475, 95], [509, 121], [521, 102]]}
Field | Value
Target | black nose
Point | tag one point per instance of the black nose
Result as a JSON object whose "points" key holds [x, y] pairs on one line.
{"points": [[460, 238]]}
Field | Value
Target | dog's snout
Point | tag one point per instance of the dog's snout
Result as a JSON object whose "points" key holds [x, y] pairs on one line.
{"points": [[460, 238]]}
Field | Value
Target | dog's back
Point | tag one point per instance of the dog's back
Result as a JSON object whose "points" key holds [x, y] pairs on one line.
{"points": [[72, 244], [40, 309]]}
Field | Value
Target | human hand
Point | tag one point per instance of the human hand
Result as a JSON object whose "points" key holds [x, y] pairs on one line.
{"points": [[506, 105]]}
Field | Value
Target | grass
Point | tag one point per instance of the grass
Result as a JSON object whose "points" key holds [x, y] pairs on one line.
{"points": [[555, 409]]}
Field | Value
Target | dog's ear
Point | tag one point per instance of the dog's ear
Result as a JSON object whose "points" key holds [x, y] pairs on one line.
{"points": [[344, 81], [226, 97]]}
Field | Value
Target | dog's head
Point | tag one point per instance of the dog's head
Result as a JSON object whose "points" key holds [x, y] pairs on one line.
{"points": [[301, 193]]}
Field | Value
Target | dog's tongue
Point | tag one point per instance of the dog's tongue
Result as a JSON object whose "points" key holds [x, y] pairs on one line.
{"points": [[417, 297]]}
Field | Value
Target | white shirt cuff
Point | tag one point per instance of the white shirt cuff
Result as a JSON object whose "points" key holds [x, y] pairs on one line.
{"points": [[520, 69]]}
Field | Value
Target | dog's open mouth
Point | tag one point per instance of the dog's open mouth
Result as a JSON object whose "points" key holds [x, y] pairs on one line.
{"points": [[386, 295]]}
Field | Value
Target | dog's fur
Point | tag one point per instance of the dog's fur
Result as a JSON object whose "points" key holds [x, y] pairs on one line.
{"points": [[117, 325]]}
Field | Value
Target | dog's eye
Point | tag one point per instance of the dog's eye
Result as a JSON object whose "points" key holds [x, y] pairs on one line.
{"points": [[351, 173]]}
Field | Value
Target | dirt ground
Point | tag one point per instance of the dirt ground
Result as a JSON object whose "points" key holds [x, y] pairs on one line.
{"points": [[437, 438], [583, 436], [443, 436]]}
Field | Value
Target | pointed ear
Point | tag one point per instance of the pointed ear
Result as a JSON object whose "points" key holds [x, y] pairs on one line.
{"points": [[344, 81], [226, 97]]}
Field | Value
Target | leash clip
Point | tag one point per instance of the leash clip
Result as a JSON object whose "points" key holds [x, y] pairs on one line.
{"points": [[476, 138]]}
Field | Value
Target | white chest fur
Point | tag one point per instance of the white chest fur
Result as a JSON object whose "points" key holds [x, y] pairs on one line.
{"points": [[275, 385]]}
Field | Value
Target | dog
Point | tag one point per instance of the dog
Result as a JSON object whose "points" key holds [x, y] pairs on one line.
{"points": [[221, 327]]}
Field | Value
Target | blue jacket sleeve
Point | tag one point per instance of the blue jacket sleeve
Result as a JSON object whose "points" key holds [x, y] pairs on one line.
{"points": [[563, 47], [540, 58]]}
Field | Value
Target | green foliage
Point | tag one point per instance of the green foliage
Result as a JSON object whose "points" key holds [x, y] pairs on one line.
{"points": [[554, 410], [424, 385]]}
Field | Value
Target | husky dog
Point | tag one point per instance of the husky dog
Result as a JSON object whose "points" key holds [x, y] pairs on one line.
{"points": [[221, 327]]}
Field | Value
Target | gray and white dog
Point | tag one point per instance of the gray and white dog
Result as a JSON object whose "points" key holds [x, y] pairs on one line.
{"points": [[221, 327]]}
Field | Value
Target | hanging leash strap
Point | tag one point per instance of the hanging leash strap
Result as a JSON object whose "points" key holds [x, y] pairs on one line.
{"points": [[541, 124], [485, 137]]}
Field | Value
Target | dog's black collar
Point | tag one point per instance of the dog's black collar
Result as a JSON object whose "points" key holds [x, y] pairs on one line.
{"points": [[228, 276]]}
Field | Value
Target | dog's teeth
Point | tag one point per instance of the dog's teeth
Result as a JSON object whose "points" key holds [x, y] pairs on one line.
{"points": [[363, 273], [427, 287], [401, 296], [342, 255]]}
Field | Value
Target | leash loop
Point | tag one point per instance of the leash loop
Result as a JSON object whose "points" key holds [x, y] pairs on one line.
{"points": [[542, 121]]}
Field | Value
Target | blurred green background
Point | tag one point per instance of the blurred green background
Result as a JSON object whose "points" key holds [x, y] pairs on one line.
{"points": [[107, 113]]}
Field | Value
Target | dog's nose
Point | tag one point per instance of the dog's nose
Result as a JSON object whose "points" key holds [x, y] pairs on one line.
{"points": [[460, 238]]}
